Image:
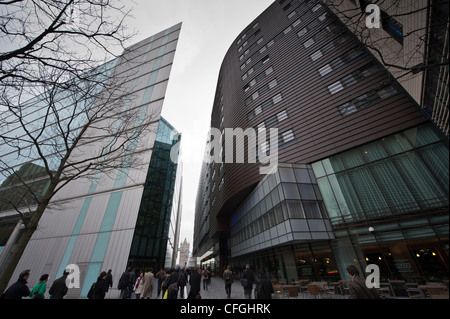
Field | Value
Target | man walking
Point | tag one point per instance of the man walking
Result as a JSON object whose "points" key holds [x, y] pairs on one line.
{"points": [[18, 289], [59, 287], [123, 284], [247, 282], [228, 277]]}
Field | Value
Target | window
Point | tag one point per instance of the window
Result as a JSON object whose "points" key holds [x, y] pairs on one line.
{"points": [[258, 78], [341, 61], [329, 47], [273, 120], [366, 100], [261, 91], [282, 116], [288, 136], [353, 78], [264, 106], [317, 55]]}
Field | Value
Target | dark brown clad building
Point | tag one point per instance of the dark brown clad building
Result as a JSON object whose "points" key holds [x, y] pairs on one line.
{"points": [[354, 151]]}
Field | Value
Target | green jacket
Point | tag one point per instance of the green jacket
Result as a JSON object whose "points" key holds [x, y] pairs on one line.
{"points": [[40, 288], [228, 276]]}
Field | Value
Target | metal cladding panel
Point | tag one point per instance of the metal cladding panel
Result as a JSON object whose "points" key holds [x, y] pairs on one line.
{"points": [[128, 211], [117, 256], [59, 220], [41, 256]]}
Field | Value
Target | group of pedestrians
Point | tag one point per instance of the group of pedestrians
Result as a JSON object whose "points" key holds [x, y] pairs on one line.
{"points": [[139, 283], [20, 289], [263, 289], [171, 284]]}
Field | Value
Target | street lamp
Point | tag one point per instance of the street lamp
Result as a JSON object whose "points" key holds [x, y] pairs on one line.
{"points": [[372, 231]]}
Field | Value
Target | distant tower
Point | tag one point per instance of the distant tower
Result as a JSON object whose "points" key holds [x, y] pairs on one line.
{"points": [[184, 253]]}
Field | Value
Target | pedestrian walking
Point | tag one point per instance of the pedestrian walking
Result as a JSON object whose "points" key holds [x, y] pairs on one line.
{"points": [[358, 288], [123, 284], [138, 285], [195, 281], [148, 284], [109, 280], [98, 289], [59, 287], [19, 289], [38, 291], [247, 282], [131, 282], [173, 283], [183, 281], [165, 284], [228, 278], [264, 287], [206, 278], [161, 275]]}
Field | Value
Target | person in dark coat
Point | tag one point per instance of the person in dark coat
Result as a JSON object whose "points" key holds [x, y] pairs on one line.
{"points": [[59, 287], [131, 281], [264, 288], [109, 280], [195, 281], [248, 275], [173, 279], [358, 288], [100, 286], [19, 289], [123, 284]]}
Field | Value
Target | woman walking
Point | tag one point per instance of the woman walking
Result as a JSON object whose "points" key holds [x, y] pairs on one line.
{"points": [[138, 285], [38, 292]]}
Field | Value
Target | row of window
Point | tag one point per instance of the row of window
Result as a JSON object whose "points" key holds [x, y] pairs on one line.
{"points": [[245, 34], [353, 78], [258, 78], [283, 139], [367, 99], [256, 67], [264, 106], [341, 61], [272, 121], [279, 36], [249, 40], [254, 45], [264, 89], [293, 209], [313, 25], [327, 48], [318, 36]]}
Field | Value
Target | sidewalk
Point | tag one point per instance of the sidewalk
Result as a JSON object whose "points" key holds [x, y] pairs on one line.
{"points": [[216, 290]]}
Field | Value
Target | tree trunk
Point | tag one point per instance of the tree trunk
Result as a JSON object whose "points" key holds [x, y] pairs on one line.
{"points": [[23, 241]]}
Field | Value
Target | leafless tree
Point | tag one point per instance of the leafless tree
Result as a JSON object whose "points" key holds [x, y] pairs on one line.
{"points": [[65, 113], [411, 53]]}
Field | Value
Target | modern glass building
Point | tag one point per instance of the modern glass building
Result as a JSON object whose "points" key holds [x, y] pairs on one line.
{"points": [[121, 217], [355, 152]]}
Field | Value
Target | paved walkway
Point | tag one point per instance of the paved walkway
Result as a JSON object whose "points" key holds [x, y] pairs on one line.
{"points": [[216, 290]]}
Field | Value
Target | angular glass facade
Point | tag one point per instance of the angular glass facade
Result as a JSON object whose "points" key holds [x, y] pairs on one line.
{"points": [[403, 173], [398, 186], [155, 219]]}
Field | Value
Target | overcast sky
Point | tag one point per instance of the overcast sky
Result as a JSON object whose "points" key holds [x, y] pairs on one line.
{"points": [[209, 28]]}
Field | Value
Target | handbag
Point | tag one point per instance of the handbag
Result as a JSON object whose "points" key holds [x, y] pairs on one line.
{"points": [[36, 294], [173, 288]]}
